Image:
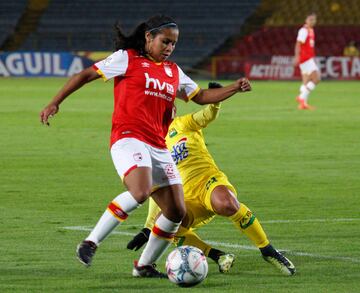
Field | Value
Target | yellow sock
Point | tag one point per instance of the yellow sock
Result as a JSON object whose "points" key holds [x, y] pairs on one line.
{"points": [[153, 213], [188, 237], [246, 221]]}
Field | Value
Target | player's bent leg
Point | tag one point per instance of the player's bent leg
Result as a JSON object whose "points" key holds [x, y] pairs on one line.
{"points": [[223, 202], [246, 222], [138, 182], [171, 201], [315, 76]]}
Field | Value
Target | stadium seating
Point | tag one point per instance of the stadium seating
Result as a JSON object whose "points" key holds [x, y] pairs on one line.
{"points": [[331, 12], [10, 13], [338, 24], [87, 24], [330, 41]]}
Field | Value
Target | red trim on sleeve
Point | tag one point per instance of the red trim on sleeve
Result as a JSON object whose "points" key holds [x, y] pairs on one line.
{"points": [[95, 67]]}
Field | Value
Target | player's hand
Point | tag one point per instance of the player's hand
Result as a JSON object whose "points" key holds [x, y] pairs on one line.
{"points": [[48, 112], [139, 239], [243, 85], [214, 85]]}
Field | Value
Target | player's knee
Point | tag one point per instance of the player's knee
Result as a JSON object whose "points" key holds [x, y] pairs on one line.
{"points": [[226, 206], [316, 78], [179, 214], [229, 208], [175, 213], [141, 193]]}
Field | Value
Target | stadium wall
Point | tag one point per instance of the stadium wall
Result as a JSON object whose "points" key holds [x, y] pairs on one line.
{"points": [[41, 64], [281, 67], [64, 64]]}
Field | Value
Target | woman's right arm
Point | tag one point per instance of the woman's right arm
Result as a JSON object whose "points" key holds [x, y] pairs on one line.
{"points": [[73, 84]]}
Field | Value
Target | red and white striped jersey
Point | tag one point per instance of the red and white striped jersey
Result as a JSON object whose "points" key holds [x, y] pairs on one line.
{"points": [[306, 36], [144, 94]]}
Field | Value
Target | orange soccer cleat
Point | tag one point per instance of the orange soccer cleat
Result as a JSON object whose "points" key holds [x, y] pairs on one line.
{"points": [[303, 105]]}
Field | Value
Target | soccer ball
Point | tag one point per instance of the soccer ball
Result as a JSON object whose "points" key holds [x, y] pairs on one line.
{"points": [[186, 266]]}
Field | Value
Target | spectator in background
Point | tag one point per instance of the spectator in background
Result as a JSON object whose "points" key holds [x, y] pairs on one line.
{"points": [[351, 50]]}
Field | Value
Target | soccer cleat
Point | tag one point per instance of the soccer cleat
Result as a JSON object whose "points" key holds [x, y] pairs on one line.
{"points": [[273, 256], [85, 252], [148, 271], [225, 262], [303, 105]]}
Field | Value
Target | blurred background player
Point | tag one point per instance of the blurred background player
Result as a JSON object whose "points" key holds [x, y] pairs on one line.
{"points": [[304, 58], [208, 192]]}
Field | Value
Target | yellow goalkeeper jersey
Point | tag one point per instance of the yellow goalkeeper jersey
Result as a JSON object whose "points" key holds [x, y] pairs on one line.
{"points": [[186, 143]]}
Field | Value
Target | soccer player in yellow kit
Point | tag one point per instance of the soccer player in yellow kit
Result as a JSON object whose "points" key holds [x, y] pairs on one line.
{"points": [[207, 192]]}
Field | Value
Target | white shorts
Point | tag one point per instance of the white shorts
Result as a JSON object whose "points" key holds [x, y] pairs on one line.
{"points": [[130, 153], [308, 67]]}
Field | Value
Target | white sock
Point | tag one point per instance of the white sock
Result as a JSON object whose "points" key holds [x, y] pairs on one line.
{"points": [[161, 236], [310, 86], [306, 89], [117, 212], [304, 93]]}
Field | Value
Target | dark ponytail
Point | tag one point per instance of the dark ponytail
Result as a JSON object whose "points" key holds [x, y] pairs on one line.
{"points": [[136, 40]]}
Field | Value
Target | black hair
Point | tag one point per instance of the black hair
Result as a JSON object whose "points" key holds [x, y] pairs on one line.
{"points": [[136, 40]]}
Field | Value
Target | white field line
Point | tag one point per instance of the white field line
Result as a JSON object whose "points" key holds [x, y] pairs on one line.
{"points": [[310, 221], [339, 220], [236, 246]]}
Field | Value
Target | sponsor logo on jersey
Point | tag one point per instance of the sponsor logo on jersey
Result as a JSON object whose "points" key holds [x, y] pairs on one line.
{"points": [[172, 132], [179, 151], [145, 64], [154, 83], [210, 182], [168, 70]]}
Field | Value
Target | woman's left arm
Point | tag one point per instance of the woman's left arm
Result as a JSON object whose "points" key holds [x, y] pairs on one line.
{"points": [[210, 96]]}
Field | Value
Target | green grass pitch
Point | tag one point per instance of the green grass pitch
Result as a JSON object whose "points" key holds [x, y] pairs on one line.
{"points": [[297, 170]]}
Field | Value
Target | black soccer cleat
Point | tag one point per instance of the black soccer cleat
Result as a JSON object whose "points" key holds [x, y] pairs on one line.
{"points": [[148, 271], [278, 260], [85, 252]]}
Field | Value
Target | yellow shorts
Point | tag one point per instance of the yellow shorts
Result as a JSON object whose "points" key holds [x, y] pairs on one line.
{"points": [[198, 200]]}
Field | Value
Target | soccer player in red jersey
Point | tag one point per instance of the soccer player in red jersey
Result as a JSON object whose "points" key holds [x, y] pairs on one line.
{"points": [[145, 87], [304, 57]]}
